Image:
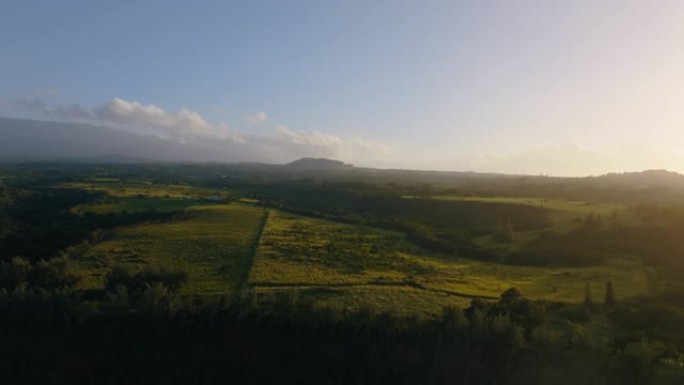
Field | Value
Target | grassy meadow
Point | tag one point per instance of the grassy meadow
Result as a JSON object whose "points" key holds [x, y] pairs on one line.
{"points": [[115, 188], [132, 196], [347, 266], [215, 246], [342, 266], [133, 204]]}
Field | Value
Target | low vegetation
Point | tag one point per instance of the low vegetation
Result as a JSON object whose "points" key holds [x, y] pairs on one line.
{"points": [[298, 253], [214, 246]]}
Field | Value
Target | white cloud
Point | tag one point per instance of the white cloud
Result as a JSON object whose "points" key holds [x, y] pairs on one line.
{"points": [[258, 118], [182, 125], [314, 139], [186, 126], [319, 144]]}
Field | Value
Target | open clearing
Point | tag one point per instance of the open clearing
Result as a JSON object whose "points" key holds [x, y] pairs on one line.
{"points": [[135, 196], [133, 204], [140, 189], [214, 246], [338, 265], [349, 266]]}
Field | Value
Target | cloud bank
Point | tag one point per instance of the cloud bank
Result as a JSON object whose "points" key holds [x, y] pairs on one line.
{"points": [[185, 126], [182, 125]]}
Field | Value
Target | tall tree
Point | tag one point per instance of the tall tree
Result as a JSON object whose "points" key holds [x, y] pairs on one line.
{"points": [[610, 295]]}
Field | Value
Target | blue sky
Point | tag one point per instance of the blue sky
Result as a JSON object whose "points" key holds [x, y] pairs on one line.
{"points": [[556, 87]]}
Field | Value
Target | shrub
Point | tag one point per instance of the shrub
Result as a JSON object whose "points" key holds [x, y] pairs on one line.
{"points": [[55, 274], [136, 284]]}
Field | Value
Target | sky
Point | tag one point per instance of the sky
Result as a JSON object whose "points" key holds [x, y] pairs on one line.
{"points": [[538, 87]]}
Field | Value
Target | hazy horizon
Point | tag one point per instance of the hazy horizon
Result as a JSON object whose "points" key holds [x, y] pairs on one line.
{"points": [[558, 88]]}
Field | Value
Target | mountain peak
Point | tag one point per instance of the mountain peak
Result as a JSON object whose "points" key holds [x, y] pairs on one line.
{"points": [[318, 164]]}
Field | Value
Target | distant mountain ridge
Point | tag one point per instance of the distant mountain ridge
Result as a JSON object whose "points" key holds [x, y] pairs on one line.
{"points": [[23, 140], [33, 140], [317, 164], [646, 178]]}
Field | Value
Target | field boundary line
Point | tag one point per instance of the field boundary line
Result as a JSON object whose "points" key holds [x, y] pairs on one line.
{"points": [[254, 248]]}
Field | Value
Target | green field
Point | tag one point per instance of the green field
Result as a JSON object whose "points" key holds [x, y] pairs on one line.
{"points": [[347, 266], [214, 246], [135, 196], [118, 189], [133, 204], [337, 265], [296, 249]]}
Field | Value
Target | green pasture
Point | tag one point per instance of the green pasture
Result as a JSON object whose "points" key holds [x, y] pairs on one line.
{"points": [[338, 265], [144, 189], [214, 246], [134, 204], [342, 265], [296, 249], [132, 196]]}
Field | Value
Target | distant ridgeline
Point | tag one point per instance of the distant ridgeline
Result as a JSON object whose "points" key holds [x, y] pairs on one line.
{"points": [[318, 164]]}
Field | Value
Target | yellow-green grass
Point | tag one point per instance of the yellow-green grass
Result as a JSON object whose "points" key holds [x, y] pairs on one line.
{"points": [[214, 246], [249, 200], [303, 250], [360, 265], [553, 284], [145, 189], [134, 196], [133, 204]]}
